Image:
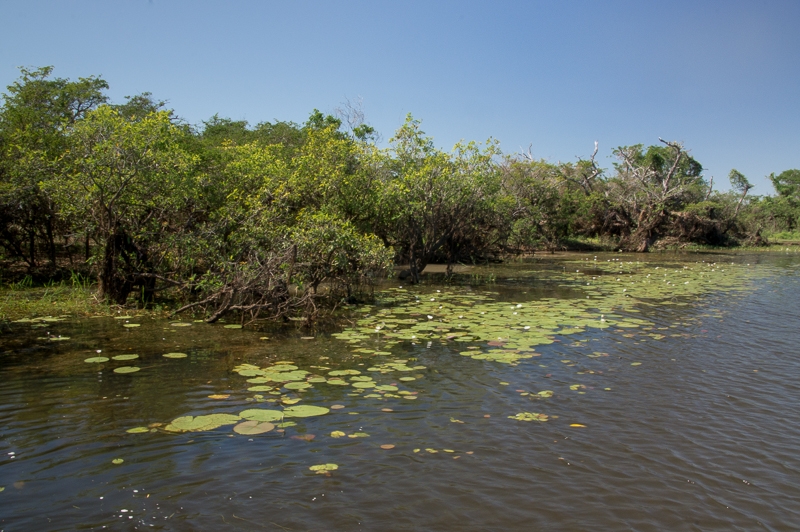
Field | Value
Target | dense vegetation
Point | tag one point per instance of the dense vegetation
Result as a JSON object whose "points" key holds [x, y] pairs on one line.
{"points": [[270, 220]]}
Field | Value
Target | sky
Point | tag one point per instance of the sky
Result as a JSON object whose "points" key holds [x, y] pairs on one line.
{"points": [[552, 77]]}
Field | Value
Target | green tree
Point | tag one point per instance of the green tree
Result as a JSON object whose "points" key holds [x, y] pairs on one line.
{"points": [[129, 181], [37, 113], [787, 183]]}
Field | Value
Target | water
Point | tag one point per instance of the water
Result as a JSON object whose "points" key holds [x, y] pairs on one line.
{"points": [[704, 434]]}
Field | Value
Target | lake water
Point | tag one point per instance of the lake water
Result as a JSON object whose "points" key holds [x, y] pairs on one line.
{"points": [[577, 392]]}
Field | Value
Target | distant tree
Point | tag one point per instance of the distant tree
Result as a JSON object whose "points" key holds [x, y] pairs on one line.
{"points": [[787, 183], [740, 184]]}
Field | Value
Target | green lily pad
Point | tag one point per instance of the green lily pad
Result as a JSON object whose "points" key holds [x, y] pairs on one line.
{"points": [[175, 355], [180, 324], [96, 360], [297, 385], [117, 461], [261, 414], [545, 393], [132, 325], [253, 427], [232, 326], [259, 388], [530, 416], [362, 384], [323, 468], [201, 423], [305, 411], [123, 317], [127, 369], [137, 430], [126, 357]]}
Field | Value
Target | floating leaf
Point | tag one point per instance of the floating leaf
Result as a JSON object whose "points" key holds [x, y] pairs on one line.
{"points": [[577, 425], [181, 324], [125, 357], [219, 396], [636, 363], [324, 468], [530, 416], [132, 325], [123, 317], [137, 430], [337, 434], [387, 446], [545, 393], [201, 423], [253, 427], [261, 414], [127, 369], [117, 461], [337, 407], [297, 385], [259, 388], [96, 360], [358, 435], [232, 326], [175, 355], [305, 411]]}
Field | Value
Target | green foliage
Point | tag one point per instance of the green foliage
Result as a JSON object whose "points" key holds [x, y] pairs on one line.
{"points": [[787, 183], [280, 219]]}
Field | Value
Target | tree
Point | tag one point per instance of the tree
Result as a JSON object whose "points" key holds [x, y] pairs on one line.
{"points": [[740, 184], [650, 185], [433, 204], [787, 184], [129, 180], [35, 118]]}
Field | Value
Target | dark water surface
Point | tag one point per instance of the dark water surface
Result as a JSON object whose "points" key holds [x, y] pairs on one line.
{"points": [[703, 433]]}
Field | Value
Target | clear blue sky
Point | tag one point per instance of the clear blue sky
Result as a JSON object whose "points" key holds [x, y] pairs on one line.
{"points": [[721, 76]]}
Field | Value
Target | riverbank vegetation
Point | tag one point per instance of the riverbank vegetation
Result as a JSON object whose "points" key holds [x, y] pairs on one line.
{"points": [[279, 220]]}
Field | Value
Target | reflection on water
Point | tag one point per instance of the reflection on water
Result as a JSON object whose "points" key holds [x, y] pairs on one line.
{"points": [[686, 419]]}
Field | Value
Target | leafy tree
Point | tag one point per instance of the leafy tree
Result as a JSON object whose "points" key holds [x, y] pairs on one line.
{"points": [[787, 183], [434, 204], [130, 181], [740, 184], [36, 115]]}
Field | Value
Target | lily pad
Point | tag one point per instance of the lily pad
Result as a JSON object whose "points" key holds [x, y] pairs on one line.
{"points": [[117, 461], [137, 430], [201, 423], [253, 427], [232, 326], [180, 324], [127, 369], [323, 468], [96, 360], [297, 385], [261, 414], [305, 411], [126, 357], [175, 355], [132, 325], [530, 416]]}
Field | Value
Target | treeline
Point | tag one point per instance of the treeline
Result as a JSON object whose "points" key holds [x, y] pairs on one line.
{"points": [[269, 221]]}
